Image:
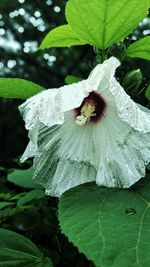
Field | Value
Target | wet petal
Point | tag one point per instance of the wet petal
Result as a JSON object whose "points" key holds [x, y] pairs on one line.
{"points": [[134, 114], [113, 151], [46, 158], [29, 152], [73, 95], [123, 155], [49, 106], [45, 107], [54, 172], [116, 151], [100, 77], [31, 148], [68, 175]]}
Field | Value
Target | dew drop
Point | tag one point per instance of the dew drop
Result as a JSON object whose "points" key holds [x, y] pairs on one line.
{"points": [[130, 211]]}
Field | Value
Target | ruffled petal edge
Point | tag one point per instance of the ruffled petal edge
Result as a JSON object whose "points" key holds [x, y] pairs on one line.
{"points": [[134, 114]]}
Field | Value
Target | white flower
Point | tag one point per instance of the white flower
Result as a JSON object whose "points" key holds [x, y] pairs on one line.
{"points": [[87, 131]]}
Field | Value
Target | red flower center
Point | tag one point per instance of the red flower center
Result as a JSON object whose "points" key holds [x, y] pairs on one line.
{"points": [[91, 110]]}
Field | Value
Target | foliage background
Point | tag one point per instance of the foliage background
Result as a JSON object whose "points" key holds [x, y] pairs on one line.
{"points": [[23, 24]]}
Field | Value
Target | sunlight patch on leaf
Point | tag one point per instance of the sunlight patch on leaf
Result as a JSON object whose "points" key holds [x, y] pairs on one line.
{"points": [[18, 88], [61, 36], [103, 23]]}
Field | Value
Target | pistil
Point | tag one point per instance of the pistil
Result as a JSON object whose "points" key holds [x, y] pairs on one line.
{"points": [[87, 111]]}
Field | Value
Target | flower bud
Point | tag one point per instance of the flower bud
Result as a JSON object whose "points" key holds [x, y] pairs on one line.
{"points": [[132, 80]]}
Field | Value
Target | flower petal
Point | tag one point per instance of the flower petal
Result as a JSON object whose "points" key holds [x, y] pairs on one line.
{"points": [[46, 158], [76, 141], [100, 77], [113, 151], [68, 175], [134, 114], [29, 152], [55, 174], [48, 106], [45, 107], [124, 154], [73, 95], [31, 148]]}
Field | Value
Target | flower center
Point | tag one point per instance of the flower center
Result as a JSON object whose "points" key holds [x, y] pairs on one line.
{"points": [[92, 109], [87, 111]]}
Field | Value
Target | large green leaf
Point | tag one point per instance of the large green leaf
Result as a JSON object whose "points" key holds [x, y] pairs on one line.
{"points": [[23, 178], [60, 37], [18, 88], [101, 22], [140, 48], [110, 226], [16, 250]]}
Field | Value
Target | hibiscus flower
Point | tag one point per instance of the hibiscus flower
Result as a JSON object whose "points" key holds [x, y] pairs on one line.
{"points": [[87, 131]]}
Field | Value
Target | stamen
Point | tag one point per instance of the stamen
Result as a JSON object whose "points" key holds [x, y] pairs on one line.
{"points": [[81, 120], [87, 111], [92, 109]]}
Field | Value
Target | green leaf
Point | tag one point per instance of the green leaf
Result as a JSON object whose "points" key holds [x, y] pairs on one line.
{"points": [[110, 226], [17, 250], [5, 204], [60, 37], [8, 212], [140, 48], [30, 196], [72, 79], [147, 93], [18, 88], [101, 22], [23, 178]]}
